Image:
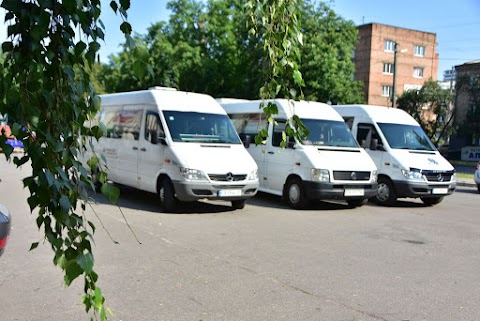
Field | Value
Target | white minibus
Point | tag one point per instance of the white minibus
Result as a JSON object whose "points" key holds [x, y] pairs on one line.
{"points": [[180, 145], [408, 163], [326, 165]]}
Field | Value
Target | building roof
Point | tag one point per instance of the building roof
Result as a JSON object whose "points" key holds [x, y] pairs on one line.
{"points": [[381, 24]]}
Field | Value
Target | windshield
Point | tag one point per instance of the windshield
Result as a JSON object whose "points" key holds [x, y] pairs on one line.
{"points": [[200, 127], [328, 133], [406, 137]]}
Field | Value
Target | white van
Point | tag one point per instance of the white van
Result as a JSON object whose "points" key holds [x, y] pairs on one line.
{"points": [[179, 145], [408, 164], [327, 165]]}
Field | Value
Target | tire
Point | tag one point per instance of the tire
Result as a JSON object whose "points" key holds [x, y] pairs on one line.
{"points": [[238, 204], [478, 187], [166, 193], [429, 201], [294, 193], [357, 202], [386, 194]]}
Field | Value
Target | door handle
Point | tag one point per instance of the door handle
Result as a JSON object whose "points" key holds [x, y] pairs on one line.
{"points": [[271, 153], [135, 148], [143, 149]]}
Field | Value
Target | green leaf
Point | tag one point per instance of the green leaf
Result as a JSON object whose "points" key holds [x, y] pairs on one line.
{"points": [[72, 271], [114, 6], [126, 28], [86, 262], [98, 298], [65, 203], [7, 46], [139, 69], [112, 193], [33, 246]]}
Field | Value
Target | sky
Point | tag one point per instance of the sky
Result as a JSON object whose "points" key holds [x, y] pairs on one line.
{"points": [[456, 23]]}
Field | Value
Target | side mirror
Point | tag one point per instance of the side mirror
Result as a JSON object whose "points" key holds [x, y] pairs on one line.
{"points": [[154, 137], [247, 140], [374, 144]]}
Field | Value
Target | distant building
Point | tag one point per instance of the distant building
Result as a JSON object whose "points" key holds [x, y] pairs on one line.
{"points": [[416, 60], [463, 103]]}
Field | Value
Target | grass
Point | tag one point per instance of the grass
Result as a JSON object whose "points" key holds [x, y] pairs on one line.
{"points": [[463, 176]]}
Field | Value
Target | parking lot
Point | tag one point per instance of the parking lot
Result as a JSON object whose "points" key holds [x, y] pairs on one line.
{"points": [[266, 262]]}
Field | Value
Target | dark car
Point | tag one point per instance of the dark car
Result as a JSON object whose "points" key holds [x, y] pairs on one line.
{"points": [[4, 227]]}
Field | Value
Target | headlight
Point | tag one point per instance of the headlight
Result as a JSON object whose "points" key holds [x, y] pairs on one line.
{"points": [[193, 174], [414, 175], [454, 177], [253, 176], [374, 176], [320, 175]]}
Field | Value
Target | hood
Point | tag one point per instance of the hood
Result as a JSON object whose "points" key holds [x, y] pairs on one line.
{"points": [[423, 160], [341, 159], [214, 158]]}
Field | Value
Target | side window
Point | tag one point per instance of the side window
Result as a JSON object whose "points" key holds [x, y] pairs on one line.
{"points": [[366, 133], [153, 127], [129, 123], [110, 117], [277, 132], [248, 124]]}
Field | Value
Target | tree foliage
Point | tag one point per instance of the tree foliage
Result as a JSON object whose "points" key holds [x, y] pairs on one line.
{"points": [[47, 88], [327, 65], [226, 48], [430, 107]]}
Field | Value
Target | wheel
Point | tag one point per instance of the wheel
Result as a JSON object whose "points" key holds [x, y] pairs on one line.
{"points": [[429, 201], [238, 204], [478, 187], [167, 195], [385, 192], [357, 202], [294, 193]]}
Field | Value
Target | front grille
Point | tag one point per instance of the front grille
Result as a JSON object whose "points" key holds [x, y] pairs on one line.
{"points": [[229, 177], [351, 176], [436, 176]]}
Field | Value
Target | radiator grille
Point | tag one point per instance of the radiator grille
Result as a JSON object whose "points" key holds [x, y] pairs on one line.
{"points": [[351, 176]]}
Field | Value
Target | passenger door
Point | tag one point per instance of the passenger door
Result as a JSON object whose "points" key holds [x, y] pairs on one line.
{"points": [[151, 152], [278, 161], [366, 134], [129, 127]]}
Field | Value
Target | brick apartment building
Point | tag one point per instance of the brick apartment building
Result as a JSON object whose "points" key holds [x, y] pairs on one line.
{"points": [[416, 60]]}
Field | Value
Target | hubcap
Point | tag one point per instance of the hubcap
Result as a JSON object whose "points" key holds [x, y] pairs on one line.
{"points": [[294, 193], [383, 192]]}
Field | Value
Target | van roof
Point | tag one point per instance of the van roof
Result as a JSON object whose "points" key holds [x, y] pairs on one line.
{"points": [[165, 99], [379, 114], [286, 108]]}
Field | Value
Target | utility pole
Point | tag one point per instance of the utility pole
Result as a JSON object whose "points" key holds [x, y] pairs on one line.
{"points": [[394, 87]]}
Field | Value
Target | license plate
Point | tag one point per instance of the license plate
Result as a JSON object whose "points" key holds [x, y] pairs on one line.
{"points": [[440, 191], [229, 192], [354, 192]]}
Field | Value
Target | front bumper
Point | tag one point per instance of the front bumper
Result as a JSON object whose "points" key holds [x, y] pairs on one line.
{"points": [[334, 191], [192, 191], [418, 189]]}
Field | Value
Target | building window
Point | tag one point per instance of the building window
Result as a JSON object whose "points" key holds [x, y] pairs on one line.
{"points": [[386, 91], [388, 68], [389, 45], [418, 72], [419, 51]]}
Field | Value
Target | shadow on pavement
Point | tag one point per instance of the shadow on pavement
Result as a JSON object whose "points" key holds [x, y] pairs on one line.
{"points": [[467, 190]]}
